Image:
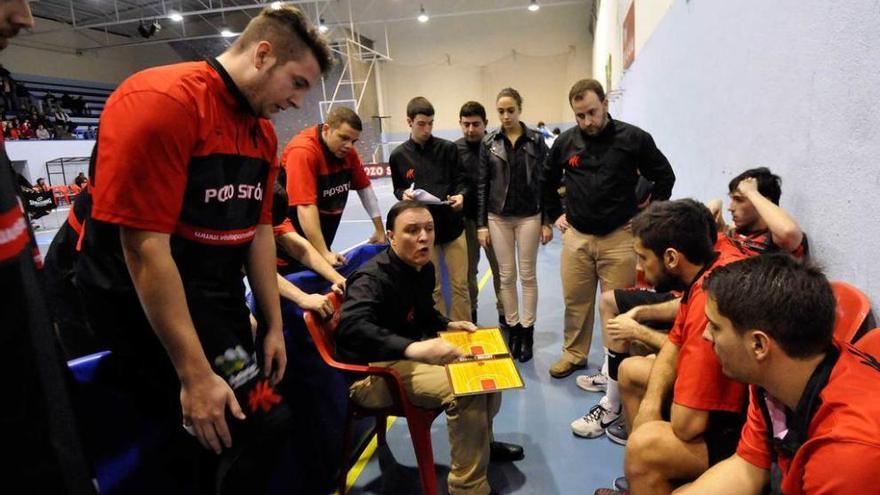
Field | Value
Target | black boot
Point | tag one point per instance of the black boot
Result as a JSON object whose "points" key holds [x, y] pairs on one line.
{"points": [[527, 339], [514, 340]]}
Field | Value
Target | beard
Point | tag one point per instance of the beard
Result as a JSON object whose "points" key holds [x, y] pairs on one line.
{"points": [[667, 282]]}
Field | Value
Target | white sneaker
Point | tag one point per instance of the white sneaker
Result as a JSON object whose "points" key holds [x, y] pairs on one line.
{"points": [[597, 419], [596, 382]]}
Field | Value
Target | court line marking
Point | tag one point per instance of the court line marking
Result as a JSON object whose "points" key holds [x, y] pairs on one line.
{"points": [[486, 277]]}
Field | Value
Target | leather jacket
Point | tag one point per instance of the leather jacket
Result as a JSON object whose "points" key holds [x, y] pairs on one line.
{"points": [[494, 173]]}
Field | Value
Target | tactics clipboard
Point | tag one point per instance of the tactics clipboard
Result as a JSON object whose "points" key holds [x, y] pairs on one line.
{"points": [[486, 366]]}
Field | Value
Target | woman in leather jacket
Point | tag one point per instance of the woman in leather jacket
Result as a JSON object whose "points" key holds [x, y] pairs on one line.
{"points": [[510, 214]]}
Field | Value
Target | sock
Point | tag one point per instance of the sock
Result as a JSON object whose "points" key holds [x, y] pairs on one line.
{"points": [[604, 369], [612, 393], [614, 360]]}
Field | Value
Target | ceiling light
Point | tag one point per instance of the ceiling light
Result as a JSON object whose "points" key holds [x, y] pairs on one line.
{"points": [[227, 33], [423, 16], [277, 5], [322, 27], [175, 16], [533, 6]]}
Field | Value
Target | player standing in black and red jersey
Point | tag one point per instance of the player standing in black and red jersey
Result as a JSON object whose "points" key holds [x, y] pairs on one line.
{"points": [[182, 188], [321, 166]]}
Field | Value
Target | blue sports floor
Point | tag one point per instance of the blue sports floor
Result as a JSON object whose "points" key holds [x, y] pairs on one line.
{"points": [[537, 417]]}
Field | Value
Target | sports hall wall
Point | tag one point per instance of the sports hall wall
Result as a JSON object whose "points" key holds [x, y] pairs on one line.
{"points": [[107, 66], [792, 85], [451, 60]]}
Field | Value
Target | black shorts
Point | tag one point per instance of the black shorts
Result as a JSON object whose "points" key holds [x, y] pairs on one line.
{"points": [[628, 299], [722, 434]]}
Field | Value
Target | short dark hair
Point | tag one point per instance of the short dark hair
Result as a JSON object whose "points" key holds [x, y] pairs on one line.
{"points": [[290, 32], [769, 184], [419, 105], [343, 115], [580, 88], [541, 123], [511, 93], [685, 225], [790, 301], [400, 207], [473, 109], [279, 204]]}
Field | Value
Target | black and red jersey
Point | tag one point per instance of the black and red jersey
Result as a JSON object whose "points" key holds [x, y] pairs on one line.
{"points": [[829, 443], [180, 152], [757, 242], [700, 383], [317, 177], [64, 250], [15, 234]]}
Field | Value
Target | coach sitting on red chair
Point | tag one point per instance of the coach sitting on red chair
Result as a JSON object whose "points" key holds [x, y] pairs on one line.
{"points": [[388, 319]]}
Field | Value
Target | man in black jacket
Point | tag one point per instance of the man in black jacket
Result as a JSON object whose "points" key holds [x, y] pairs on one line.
{"points": [[472, 119], [388, 319], [428, 164], [602, 159]]}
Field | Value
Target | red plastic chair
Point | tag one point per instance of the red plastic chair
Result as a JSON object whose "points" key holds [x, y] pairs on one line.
{"points": [[853, 313], [870, 342], [418, 419], [61, 193]]}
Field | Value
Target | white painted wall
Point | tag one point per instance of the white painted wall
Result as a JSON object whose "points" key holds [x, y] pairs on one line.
{"points": [[649, 13], [608, 41], [37, 153], [109, 66], [455, 59], [793, 85], [609, 33]]}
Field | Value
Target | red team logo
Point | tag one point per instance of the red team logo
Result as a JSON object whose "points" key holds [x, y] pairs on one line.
{"points": [[411, 174], [574, 161], [263, 397]]}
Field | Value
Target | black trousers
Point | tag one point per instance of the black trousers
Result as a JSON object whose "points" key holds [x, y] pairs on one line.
{"points": [[147, 379]]}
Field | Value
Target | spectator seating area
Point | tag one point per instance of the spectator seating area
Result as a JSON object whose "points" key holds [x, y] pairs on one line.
{"points": [[66, 109]]}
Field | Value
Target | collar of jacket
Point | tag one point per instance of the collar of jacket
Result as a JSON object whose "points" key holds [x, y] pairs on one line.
{"points": [[402, 266], [495, 141], [421, 147], [231, 86], [583, 139]]}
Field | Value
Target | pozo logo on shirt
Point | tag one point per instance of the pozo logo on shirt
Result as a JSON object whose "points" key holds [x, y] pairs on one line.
{"points": [[227, 192], [333, 191]]}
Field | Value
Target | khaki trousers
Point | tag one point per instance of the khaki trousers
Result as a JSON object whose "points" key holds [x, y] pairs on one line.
{"points": [[515, 241], [468, 419], [586, 260], [455, 254], [473, 245]]}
